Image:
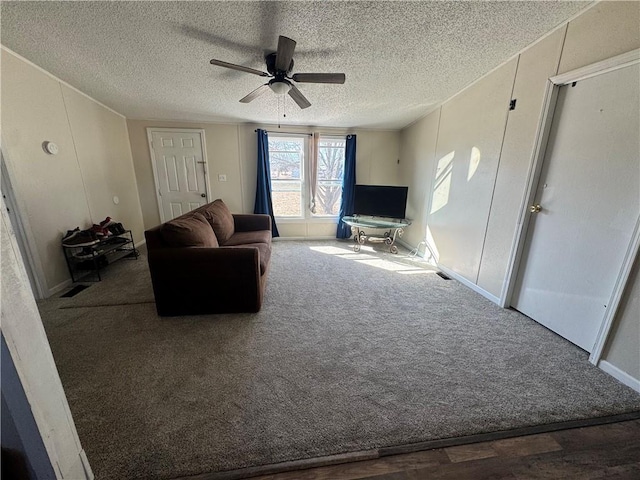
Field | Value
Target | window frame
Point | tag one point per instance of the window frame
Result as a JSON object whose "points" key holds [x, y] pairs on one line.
{"points": [[306, 214], [304, 181]]}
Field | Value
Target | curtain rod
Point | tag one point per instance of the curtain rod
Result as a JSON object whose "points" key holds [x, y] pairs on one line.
{"points": [[287, 133]]}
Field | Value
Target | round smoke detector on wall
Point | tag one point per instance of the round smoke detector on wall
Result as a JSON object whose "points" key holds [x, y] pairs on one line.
{"points": [[50, 148]]}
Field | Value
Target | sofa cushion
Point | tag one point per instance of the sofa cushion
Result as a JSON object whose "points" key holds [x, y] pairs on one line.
{"points": [[220, 218], [265, 253], [191, 230], [242, 238]]}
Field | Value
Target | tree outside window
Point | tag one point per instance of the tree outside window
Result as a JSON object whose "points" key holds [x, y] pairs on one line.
{"points": [[330, 174]]}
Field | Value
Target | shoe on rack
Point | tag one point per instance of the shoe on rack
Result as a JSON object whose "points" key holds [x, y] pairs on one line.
{"points": [[106, 222], [85, 252], [100, 231], [70, 232], [116, 228], [79, 238]]}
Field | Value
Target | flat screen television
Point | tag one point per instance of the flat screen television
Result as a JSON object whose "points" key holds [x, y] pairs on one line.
{"points": [[380, 201]]}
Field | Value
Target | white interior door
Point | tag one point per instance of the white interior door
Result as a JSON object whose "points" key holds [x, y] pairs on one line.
{"points": [[589, 193], [179, 167]]}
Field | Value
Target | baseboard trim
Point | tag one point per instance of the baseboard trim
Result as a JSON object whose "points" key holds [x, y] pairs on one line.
{"points": [[408, 448], [408, 246], [140, 243], [620, 375], [58, 288], [471, 285], [286, 239]]}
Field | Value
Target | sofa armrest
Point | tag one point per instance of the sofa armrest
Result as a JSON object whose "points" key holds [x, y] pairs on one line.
{"points": [[251, 222], [205, 280]]}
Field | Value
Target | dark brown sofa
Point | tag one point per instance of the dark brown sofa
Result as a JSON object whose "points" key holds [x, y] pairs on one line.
{"points": [[209, 261]]}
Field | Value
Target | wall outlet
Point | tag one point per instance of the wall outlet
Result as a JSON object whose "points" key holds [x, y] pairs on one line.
{"points": [[222, 178]]}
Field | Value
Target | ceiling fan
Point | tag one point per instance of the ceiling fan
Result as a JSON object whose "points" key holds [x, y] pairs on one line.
{"points": [[279, 66]]}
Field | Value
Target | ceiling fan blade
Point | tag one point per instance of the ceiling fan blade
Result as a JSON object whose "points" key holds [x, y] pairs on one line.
{"points": [[233, 66], [286, 46], [255, 94], [319, 77], [298, 97]]}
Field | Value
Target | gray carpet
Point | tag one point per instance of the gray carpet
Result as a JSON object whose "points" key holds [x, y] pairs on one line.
{"points": [[350, 352], [124, 283]]}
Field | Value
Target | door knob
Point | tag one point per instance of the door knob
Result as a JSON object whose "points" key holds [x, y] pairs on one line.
{"points": [[203, 195], [535, 208]]}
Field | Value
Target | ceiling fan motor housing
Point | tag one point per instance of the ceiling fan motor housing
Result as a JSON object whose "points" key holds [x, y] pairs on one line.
{"points": [[271, 66]]}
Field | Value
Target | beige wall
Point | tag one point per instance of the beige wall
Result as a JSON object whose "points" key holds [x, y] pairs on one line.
{"points": [[468, 151], [605, 30], [623, 347], [417, 164], [75, 187], [104, 159], [232, 150]]}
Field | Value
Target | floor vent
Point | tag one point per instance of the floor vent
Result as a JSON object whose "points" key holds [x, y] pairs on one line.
{"points": [[440, 274], [74, 291]]}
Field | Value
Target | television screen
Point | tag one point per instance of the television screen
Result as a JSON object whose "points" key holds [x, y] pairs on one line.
{"points": [[380, 201]]}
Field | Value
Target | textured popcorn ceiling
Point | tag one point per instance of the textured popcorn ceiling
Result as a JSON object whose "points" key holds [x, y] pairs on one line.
{"points": [[151, 59]]}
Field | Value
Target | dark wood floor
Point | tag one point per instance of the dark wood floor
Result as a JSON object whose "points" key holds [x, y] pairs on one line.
{"points": [[609, 451]]}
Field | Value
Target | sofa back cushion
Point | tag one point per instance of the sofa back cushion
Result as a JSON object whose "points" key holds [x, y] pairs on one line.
{"points": [[220, 218], [189, 231]]}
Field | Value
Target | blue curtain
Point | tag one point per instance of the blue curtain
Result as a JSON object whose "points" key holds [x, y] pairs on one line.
{"points": [[263, 187], [348, 186]]}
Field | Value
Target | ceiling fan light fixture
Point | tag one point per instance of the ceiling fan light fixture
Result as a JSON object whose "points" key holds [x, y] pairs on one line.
{"points": [[280, 88]]}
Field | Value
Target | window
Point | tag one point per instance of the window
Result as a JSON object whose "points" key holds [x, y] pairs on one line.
{"points": [[289, 164], [286, 158], [330, 173]]}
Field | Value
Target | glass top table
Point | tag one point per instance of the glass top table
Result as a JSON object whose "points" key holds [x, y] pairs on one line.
{"points": [[395, 229]]}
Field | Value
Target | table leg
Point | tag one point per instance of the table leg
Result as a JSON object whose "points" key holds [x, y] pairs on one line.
{"points": [[391, 240], [359, 238]]}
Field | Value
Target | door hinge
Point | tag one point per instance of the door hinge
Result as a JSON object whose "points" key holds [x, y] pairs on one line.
{"points": [[512, 104]]}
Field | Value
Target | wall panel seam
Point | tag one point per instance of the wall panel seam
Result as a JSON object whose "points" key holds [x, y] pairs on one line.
{"points": [[429, 192], [495, 180], [75, 149]]}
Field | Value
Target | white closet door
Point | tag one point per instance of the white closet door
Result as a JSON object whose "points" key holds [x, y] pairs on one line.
{"points": [[589, 193]]}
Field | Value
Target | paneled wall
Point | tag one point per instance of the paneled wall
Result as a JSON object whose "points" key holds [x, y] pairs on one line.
{"points": [[232, 150], [74, 188], [472, 213], [468, 152], [535, 66], [417, 164]]}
